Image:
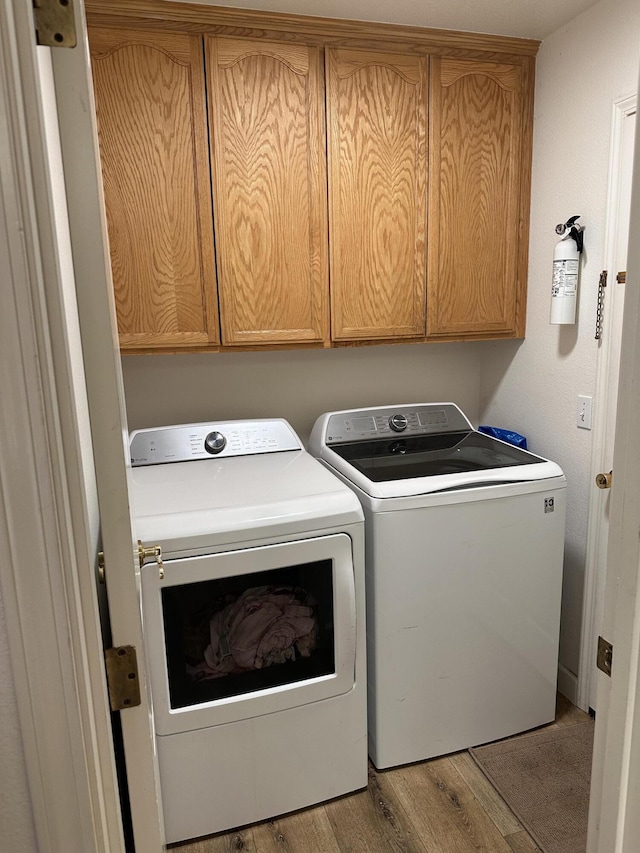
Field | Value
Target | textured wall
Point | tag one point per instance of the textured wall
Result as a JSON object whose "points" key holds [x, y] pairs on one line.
{"points": [[581, 70], [298, 385]]}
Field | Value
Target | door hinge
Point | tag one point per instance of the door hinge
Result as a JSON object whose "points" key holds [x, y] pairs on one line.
{"points": [[605, 656], [122, 677], [55, 23]]}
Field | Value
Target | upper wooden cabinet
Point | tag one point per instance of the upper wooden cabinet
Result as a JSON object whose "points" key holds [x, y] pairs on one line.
{"points": [[478, 198], [268, 139], [151, 109], [365, 182], [377, 119]]}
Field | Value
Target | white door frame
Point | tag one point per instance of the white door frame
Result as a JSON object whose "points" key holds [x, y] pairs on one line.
{"points": [[52, 614], [606, 400], [48, 530]]}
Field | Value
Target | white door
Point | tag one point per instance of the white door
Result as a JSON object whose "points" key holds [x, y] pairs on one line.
{"points": [[607, 391], [614, 817], [96, 313]]}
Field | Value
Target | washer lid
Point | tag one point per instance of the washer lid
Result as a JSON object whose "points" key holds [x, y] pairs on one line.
{"points": [[206, 502], [409, 466], [436, 450]]}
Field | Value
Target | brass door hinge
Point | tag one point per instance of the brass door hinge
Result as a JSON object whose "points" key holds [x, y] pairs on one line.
{"points": [[122, 677], [605, 656], [55, 23]]}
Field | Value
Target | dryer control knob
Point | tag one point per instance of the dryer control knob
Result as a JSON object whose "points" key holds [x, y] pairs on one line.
{"points": [[398, 423], [215, 442]]}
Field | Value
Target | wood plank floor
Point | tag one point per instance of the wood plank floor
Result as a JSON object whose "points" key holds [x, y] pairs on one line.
{"points": [[445, 805]]}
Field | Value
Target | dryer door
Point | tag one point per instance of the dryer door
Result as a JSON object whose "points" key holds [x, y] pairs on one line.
{"points": [[243, 633]]}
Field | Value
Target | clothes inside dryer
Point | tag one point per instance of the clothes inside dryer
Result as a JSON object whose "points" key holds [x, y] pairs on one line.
{"points": [[229, 636]]}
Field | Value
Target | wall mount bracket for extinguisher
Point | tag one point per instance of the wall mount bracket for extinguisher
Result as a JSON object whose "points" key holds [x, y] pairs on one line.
{"points": [[576, 232], [566, 263]]}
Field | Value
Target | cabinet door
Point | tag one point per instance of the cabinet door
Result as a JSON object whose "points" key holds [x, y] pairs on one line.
{"points": [[267, 128], [151, 110], [477, 217], [377, 118]]}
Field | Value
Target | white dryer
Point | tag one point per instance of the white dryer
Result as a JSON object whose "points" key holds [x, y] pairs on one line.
{"points": [[464, 551], [254, 629]]}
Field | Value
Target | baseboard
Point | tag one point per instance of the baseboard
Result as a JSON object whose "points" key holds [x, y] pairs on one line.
{"points": [[568, 684]]}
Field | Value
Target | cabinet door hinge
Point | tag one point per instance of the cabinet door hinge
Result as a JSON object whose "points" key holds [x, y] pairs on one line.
{"points": [[122, 677], [605, 656], [55, 23]]}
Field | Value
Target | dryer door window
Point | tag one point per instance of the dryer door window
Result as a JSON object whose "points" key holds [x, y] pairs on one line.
{"points": [[243, 633], [230, 636]]}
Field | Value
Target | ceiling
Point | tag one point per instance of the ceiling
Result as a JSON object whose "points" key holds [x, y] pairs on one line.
{"points": [[533, 19]]}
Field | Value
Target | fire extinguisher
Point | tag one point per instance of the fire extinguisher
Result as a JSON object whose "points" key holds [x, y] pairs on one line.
{"points": [[566, 264]]}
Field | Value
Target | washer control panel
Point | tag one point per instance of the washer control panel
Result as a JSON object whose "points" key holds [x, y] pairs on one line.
{"points": [[204, 441], [385, 421]]}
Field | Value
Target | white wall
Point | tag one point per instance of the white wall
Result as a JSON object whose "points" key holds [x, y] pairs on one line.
{"points": [[581, 70], [298, 385]]}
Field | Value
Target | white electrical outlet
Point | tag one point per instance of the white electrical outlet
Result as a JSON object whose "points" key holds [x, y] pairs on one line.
{"points": [[584, 414]]}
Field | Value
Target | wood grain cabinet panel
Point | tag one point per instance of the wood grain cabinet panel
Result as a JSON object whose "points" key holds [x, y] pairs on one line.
{"points": [[377, 124], [478, 199], [151, 109], [268, 140]]}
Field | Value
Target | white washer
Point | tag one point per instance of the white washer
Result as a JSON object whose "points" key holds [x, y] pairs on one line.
{"points": [[255, 634], [464, 550]]}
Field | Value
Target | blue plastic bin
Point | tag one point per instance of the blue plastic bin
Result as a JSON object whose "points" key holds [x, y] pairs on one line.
{"points": [[505, 435]]}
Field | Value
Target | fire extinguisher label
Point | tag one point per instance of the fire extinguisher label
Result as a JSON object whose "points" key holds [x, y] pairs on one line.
{"points": [[565, 278]]}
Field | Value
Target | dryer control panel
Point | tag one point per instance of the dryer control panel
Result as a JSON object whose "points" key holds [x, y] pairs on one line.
{"points": [[415, 419], [203, 441]]}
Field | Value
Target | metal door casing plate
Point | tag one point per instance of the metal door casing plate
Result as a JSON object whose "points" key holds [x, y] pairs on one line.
{"points": [[55, 23], [605, 656], [122, 677]]}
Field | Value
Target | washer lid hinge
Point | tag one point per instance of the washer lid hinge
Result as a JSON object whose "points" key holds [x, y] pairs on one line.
{"points": [[122, 677]]}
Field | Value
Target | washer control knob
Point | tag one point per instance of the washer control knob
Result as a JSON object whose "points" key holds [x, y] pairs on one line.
{"points": [[398, 423], [215, 442]]}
